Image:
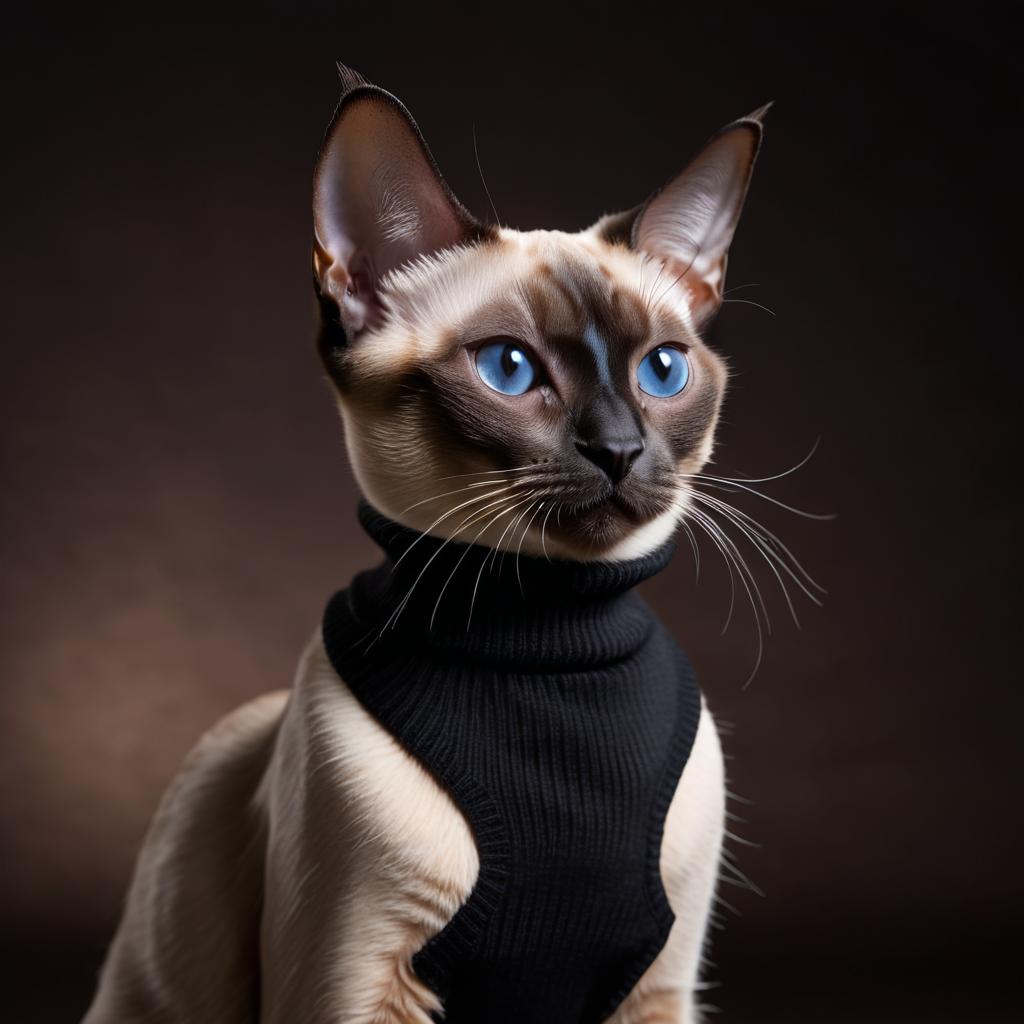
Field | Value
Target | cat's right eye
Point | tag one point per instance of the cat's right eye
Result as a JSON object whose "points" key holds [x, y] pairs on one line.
{"points": [[506, 367]]}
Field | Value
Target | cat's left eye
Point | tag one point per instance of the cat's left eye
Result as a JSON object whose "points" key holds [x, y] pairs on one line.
{"points": [[663, 372], [506, 367]]}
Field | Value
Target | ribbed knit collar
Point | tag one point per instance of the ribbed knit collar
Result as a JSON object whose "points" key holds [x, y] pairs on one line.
{"points": [[465, 601]]}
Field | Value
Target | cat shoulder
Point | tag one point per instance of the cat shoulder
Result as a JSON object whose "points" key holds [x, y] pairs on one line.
{"points": [[349, 761]]}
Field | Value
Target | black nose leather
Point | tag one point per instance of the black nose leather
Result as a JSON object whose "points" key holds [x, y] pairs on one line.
{"points": [[616, 458]]}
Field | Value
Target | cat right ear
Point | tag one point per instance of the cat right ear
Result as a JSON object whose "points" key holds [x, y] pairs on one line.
{"points": [[689, 223], [379, 201]]}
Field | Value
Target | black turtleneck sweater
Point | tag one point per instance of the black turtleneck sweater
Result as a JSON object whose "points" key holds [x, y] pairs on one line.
{"points": [[559, 714]]}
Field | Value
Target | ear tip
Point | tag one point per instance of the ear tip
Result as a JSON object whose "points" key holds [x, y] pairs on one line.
{"points": [[350, 78], [761, 112]]}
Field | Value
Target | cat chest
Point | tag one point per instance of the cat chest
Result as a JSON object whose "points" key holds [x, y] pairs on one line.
{"points": [[565, 781]]}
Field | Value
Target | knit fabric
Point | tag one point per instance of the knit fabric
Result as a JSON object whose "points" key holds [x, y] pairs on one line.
{"points": [[559, 713]]}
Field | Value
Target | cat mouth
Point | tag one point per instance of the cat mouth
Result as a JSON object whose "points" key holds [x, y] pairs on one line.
{"points": [[624, 505], [615, 500]]}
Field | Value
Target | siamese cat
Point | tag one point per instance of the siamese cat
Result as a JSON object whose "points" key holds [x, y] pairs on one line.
{"points": [[542, 398]]}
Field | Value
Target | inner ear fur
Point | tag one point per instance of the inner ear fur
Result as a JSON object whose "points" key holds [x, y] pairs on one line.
{"points": [[690, 221], [379, 201]]}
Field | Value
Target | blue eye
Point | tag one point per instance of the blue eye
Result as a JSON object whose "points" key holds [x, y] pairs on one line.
{"points": [[505, 367], [663, 372]]}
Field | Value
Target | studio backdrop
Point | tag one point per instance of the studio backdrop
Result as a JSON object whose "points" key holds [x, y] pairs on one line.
{"points": [[177, 505]]}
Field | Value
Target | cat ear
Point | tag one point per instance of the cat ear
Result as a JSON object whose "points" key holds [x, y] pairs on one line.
{"points": [[379, 201], [690, 221]]}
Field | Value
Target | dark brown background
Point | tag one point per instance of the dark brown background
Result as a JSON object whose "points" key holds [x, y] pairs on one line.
{"points": [[176, 506]]}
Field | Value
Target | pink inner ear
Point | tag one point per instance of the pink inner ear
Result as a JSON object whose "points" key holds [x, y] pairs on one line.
{"points": [[357, 297], [378, 202], [703, 293]]}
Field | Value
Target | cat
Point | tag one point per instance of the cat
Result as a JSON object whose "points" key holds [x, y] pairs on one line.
{"points": [[537, 396]]}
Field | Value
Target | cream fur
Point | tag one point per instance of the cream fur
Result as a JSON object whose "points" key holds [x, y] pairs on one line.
{"points": [[430, 296], [301, 857]]}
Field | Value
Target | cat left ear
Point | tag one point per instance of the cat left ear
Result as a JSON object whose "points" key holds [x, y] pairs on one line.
{"points": [[691, 220], [379, 201]]}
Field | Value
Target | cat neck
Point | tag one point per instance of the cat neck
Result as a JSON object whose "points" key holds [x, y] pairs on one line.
{"points": [[438, 596]]}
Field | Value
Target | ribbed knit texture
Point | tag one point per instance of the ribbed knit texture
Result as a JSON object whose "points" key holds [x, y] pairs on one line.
{"points": [[560, 715]]}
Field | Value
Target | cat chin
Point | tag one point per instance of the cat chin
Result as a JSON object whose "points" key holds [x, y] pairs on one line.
{"points": [[622, 544]]}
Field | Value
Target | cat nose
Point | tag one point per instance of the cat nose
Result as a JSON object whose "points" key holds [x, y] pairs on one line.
{"points": [[615, 458]]}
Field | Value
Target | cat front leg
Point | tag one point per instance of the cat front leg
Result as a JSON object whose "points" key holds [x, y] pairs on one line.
{"points": [[367, 858]]}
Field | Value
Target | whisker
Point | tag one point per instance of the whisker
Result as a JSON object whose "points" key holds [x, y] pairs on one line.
{"points": [[458, 490], [732, 577], [654, 284], [480, 171], [473, 517], [515, 522], [767, 544], [696, 550], [686, 270], [669, 288], [441, 519], [493, 556], [778, 476], [543, 527], [712, 481], [712, 528], [771, 541], [490, 472], [522, 537], [476, 585], [510, 529], [764, 551], [749, 302], [451, 575], [726, 539]]}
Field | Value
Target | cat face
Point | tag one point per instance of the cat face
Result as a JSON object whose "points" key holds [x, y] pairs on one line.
{"points": [[534, 391]]}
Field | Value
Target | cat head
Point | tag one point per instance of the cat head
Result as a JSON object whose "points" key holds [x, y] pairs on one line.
{"points": [[536, 391]]}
